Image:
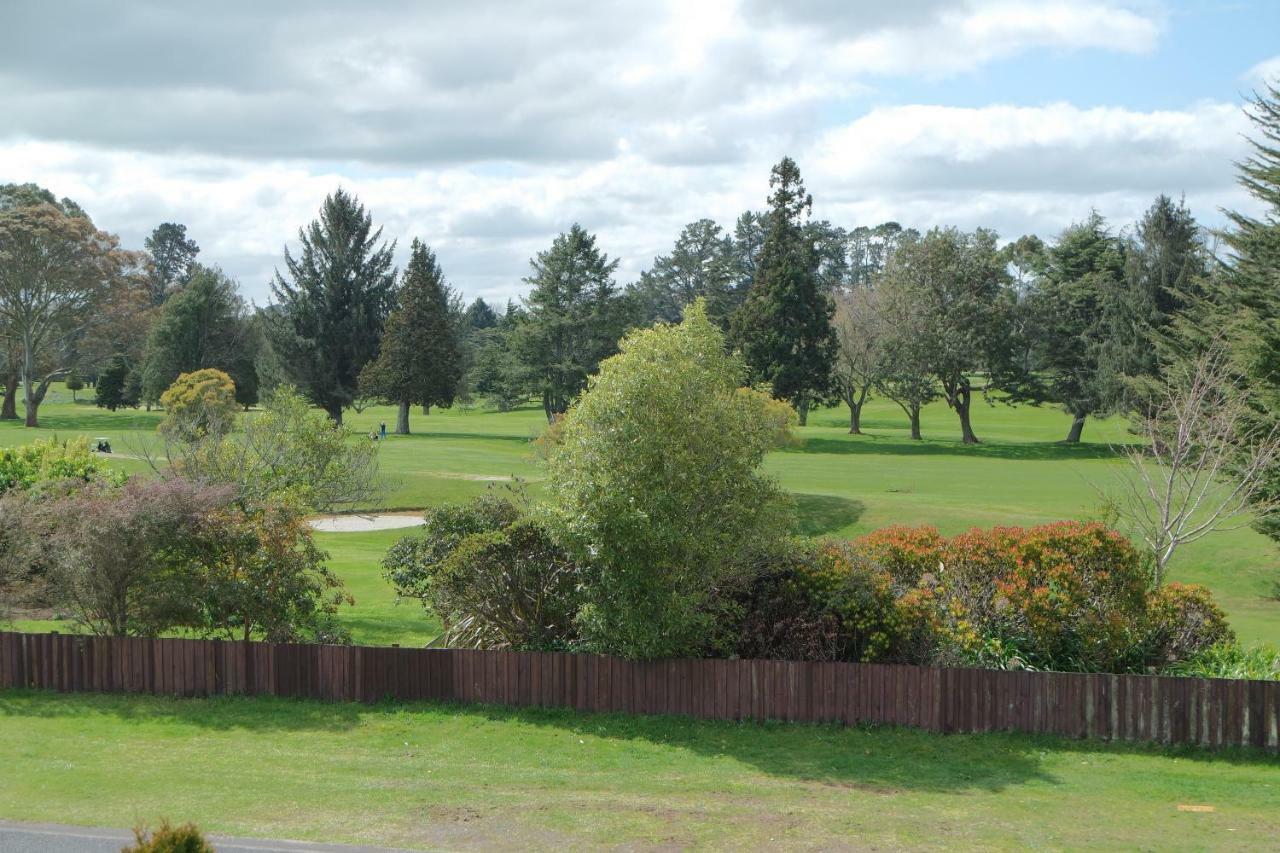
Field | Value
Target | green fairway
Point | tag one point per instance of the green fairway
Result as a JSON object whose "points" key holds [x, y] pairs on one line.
{"points": [[843, 485], [447, 777]]}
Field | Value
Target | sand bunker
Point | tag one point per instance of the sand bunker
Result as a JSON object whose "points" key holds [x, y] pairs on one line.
{"points": [[364, 523]]}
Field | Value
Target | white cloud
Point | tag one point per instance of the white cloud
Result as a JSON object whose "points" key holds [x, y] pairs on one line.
{"points": [[1017, 169], [485, 128], [1266, 71]]}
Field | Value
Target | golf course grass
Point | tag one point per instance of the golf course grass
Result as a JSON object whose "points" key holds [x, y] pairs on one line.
{"points": [[446, 777], [843, 485]]}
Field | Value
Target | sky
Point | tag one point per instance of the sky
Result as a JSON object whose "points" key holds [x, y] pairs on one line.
{"points": [[485, 128]]}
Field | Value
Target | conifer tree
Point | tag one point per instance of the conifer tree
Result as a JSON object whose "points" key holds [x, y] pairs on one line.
{"points": [[419, 363], [574, 318], [1082, 274], [784, 329], [333, 303]]}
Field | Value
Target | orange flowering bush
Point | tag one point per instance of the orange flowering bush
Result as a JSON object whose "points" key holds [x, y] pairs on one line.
{"points": [[1068, 596]]}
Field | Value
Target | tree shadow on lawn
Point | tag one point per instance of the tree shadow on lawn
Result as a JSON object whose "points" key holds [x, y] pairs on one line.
{"points": [[817, 515], [878, 445], [268, 713], [877, 759], [100, 420]]}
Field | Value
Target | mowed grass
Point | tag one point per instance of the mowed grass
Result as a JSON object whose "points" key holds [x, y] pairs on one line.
{"points": [[445, 777], [843, 485]]}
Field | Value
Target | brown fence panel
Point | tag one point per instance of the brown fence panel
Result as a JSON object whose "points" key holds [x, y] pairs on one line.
{"points": [[1208, 712]]}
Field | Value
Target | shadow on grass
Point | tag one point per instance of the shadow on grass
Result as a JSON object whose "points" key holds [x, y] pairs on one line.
{"points": [[892, 446], [485, 436], [817, 515], [870, 759], [100, 420]]}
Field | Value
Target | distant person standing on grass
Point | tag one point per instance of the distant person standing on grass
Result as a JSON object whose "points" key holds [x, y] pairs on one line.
{"points": [[382, 429]]}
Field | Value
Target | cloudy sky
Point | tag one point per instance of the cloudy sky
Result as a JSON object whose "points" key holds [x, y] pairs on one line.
{"points": [[485, 128]]}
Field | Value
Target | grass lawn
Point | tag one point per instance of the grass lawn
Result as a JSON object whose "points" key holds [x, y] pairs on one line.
{"points": [[434, 776], [843, 485]]}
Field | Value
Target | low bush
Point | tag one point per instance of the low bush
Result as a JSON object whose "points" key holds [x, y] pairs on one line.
{"points": [[1228, 659], [1184, 622], [510, 588], [825, 600], [43, 462], [494, 576], [411, 565], [169, 839]]}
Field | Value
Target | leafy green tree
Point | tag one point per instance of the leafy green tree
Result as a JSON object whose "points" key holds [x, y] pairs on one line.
{"points": [[54, 270], [860, 361], [420, 362], [957, 285], [784, 327], [700, 266], [574, 317], [656, 487], [868, 250], [110, 388], [205, 325], [905, 373], [258, 573], [1081, 277], [173, 259], [333, 303], [34, 195], [74, 383], [199, 404], [286, 454]]}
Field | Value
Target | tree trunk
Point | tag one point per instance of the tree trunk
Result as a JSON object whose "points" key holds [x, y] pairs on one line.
{"points": [[855, 411], [9, 410], [402, 418], [28, 367], [335, 415], [426, 409], [802, 409], [34, 399], [546, 406], [961, 400], [1077, 427], [914, 414]]}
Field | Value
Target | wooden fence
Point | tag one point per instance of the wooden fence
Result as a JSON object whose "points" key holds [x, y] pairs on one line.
{"points": [[1208, 712]]}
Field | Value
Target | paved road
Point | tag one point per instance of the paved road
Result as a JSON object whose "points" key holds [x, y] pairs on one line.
{"points": [[53, 838]]}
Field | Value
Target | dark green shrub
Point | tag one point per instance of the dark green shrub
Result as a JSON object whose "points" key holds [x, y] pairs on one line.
{"points": [[169, 839], [508, 588], [825, 600], [412, 563]]}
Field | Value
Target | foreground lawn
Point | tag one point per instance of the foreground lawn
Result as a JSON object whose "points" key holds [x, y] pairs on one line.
{"points": [[843, 485], [443, 776]]}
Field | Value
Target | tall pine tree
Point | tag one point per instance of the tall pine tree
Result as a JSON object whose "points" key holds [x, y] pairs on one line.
{"points": [[420, 362], [575, 316], [1241, 306], [784, 327], [333, 303]]}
